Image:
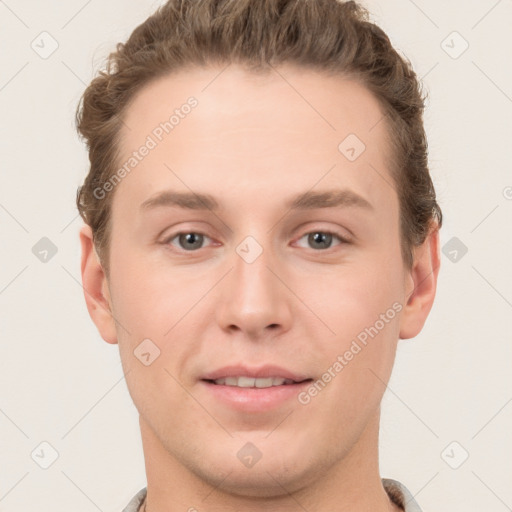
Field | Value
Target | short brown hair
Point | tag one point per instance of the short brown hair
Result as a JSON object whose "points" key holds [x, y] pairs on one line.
{"points": [[326, 35]]}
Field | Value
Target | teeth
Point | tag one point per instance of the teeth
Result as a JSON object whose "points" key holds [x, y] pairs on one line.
{"points": [[251, 382], [266, 383], [243, 382]]}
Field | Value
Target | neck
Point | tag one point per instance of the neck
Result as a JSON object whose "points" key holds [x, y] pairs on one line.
{"points": [[349, 485]]}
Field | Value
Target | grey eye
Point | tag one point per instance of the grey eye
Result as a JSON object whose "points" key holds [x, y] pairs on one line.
{"points": [[322, 240], [188, 241], [319, 240]]}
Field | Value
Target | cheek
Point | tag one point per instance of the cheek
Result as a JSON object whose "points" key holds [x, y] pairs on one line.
{"points": [[352, 299], [362, 310], [154, 307], [142, 298]]}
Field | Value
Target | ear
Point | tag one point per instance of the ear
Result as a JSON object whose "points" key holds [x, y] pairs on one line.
{"points": [[95, 286], [421, 283]]}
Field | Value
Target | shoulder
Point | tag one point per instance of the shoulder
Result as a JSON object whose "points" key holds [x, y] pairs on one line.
{"points": [[136, 501], [400, 495]]}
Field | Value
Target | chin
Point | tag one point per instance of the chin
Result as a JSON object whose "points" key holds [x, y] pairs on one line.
{"points": [[266, 479], [262, 484]]}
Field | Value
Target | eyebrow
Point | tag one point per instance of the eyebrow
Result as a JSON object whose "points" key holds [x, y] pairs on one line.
{"points": [[305, 201]]}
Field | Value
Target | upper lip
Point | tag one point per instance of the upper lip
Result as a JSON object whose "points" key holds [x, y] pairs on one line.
{"points": [[255, 372]]}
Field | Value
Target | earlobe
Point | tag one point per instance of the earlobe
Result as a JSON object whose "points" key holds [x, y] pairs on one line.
{"points": [[421, 286], [95, 287]]}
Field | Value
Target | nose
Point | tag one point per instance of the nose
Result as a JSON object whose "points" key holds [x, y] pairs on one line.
{"points": [[254, 298]]}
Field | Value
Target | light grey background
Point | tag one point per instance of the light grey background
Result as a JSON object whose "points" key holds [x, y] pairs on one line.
{"points": [[60, 383]]}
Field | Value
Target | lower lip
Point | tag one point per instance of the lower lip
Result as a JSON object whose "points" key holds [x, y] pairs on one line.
{"points": [[255, 399]]}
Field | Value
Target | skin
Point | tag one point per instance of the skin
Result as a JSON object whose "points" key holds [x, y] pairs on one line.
{"points": [[253, 142]]}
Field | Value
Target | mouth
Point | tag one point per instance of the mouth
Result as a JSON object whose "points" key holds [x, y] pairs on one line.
{"points": [[253, 390], [244, 381]]}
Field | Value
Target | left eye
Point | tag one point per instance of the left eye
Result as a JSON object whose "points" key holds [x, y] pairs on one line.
{"points": [[322, 239]]}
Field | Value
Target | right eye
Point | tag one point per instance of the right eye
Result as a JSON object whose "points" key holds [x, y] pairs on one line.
{"points": [[188, 240]]}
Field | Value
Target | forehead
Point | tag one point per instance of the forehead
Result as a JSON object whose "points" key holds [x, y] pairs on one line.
{"points": [[260, 136]]}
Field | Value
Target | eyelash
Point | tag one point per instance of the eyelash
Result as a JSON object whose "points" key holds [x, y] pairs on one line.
{"points": [[343, 240]]}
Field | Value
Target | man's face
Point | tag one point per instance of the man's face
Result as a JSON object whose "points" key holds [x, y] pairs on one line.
{"points": [[257, 282]]}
